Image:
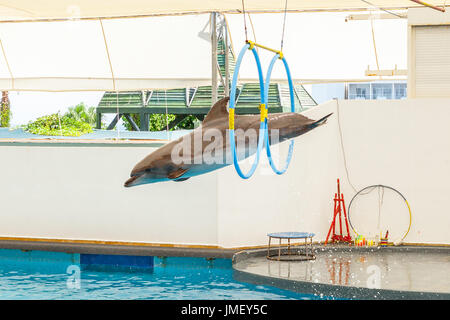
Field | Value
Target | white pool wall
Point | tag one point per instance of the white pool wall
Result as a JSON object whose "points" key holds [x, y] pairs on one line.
{"points": [[76, 192]]}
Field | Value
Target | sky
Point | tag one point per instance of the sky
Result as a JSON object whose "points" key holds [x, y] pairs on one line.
{"points": [[319, 45]]}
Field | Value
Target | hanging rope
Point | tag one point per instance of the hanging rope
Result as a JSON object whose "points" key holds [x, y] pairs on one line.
{"points": [[167, 116], [342, 146], [118, 115], [113, 77], [107, 54], [374, 44], [245, 21], [59, 121], [284, 25], [380, 203], [253, 29], [7, 64]]}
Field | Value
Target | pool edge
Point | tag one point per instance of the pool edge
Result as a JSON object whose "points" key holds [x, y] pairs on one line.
{"points": [[118, 249]]}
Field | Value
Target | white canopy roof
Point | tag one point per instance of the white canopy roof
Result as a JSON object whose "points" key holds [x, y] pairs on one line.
{"points": [[323, 46], [82, 45], [119, 54], [26, 10]]}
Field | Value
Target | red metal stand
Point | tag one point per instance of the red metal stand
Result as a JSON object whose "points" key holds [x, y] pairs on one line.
{"points": [[339, 208]]}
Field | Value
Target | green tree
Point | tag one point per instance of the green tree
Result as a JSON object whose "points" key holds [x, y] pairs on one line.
{"points": [[82, 113], [76, 121], [157, 122], [55, 125], [190, 122]]}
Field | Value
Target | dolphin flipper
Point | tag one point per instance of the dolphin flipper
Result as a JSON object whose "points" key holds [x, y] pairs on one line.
{"points": [[181, 179], [177, 173]]}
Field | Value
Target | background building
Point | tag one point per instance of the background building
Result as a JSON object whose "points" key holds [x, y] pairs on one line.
{"points": [[374, 90]]}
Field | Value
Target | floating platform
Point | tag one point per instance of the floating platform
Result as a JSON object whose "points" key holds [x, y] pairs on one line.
{"points": [[343, 272]]}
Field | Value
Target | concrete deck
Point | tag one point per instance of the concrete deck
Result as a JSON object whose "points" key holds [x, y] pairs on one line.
{"points": [[355, 272]]}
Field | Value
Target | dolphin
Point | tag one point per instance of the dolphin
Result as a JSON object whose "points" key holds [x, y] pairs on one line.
{"points": [[185, 157]]}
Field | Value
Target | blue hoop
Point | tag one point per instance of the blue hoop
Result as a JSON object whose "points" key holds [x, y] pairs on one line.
{"points": [[266, 97], [262, 127]]}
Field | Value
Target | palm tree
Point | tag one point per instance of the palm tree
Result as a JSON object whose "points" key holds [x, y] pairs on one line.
{"points": [[5, 110], [82, 113]]}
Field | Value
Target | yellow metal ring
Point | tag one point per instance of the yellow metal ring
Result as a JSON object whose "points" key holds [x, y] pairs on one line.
{"points": [[264, 111], [251, 43], [404, 199], [231, 119], [410, 220]]}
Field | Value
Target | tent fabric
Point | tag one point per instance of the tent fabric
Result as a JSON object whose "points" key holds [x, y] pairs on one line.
{"points": [[323, 47], [112, 55], [35, 10], [167, 52], [63, 45]]}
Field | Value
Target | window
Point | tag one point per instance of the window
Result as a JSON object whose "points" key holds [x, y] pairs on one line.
{"points": [[382, 91], [377, 90], [400, 90], [359, 91]]}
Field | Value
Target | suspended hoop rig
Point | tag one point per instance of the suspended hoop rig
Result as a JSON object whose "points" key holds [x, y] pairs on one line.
{"points": [[263, 138]]}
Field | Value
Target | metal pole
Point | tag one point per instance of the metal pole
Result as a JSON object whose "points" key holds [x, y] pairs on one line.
{"points": [[213, 57], [429, 5], [227, 61]]}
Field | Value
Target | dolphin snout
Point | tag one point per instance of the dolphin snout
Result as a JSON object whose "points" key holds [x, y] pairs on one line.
{"points": [[131, 181]]}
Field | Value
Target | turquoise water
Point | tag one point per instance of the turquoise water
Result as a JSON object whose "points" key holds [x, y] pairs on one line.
{"points": [[51, 275], [18, 133]]}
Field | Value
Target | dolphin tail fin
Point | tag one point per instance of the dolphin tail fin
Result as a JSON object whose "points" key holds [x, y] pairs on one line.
{"points": [[319, 122]]}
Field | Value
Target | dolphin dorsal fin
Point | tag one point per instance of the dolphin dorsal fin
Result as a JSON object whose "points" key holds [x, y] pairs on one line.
{"points": [[219, 109]]}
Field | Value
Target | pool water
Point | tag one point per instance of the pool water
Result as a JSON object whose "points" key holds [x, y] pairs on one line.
{"points": [[53, 275], [18, 133]]}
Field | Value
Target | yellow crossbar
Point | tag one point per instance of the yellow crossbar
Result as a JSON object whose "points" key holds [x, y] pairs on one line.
{"points": [[252, 44]]}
